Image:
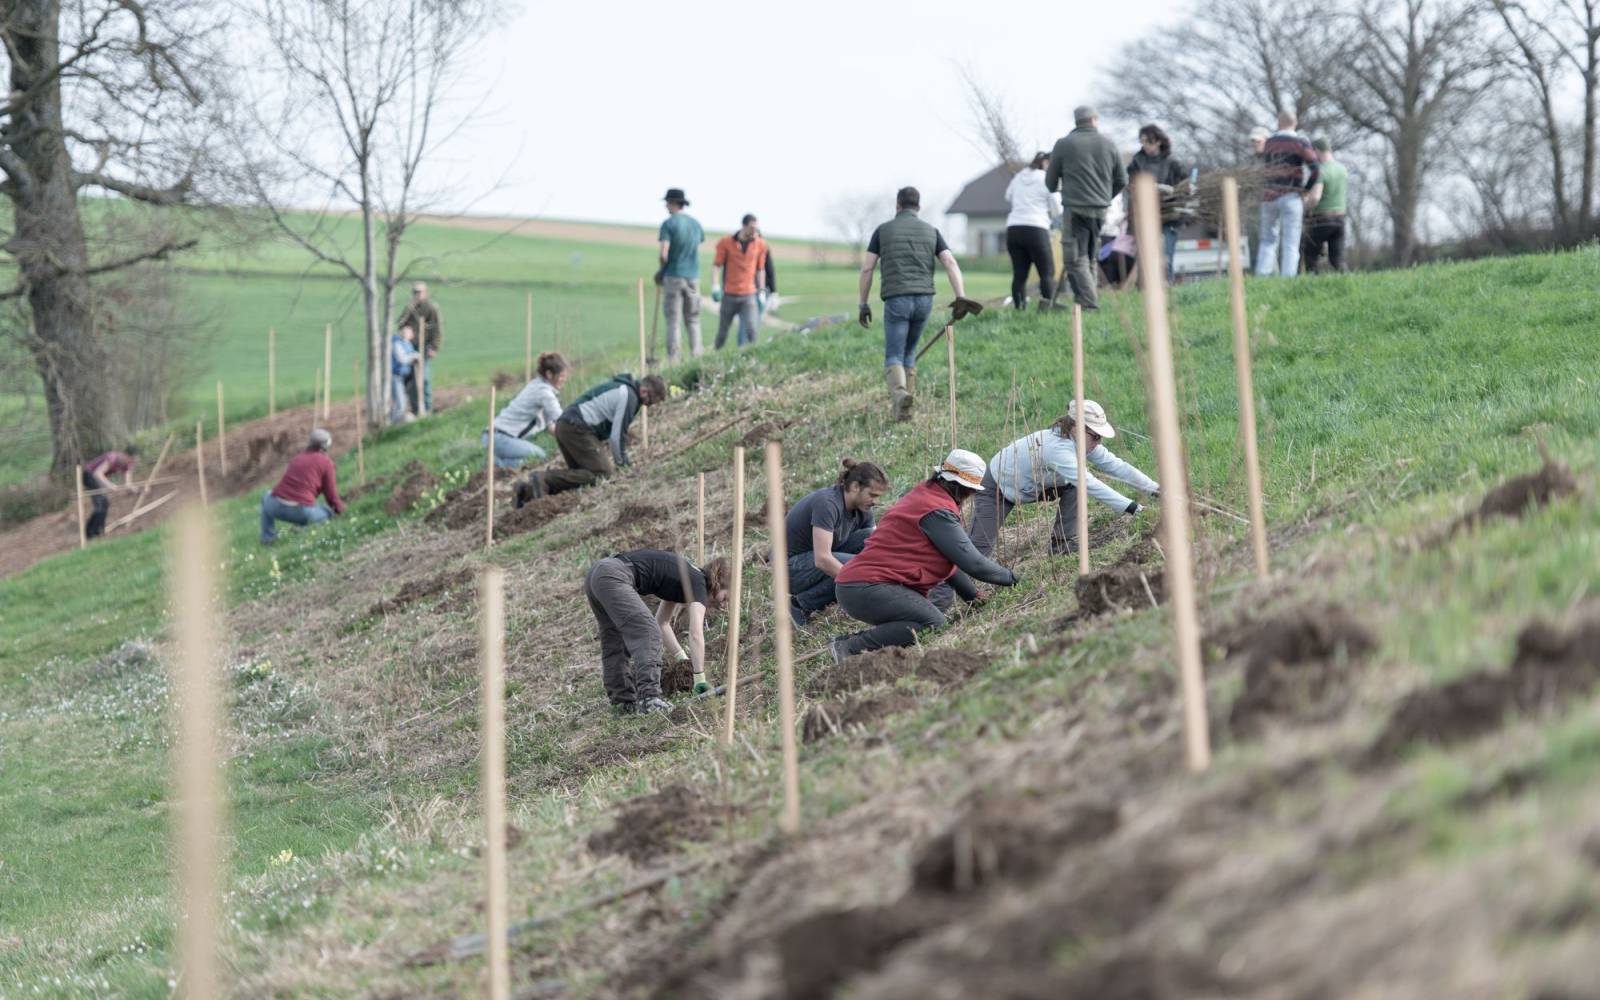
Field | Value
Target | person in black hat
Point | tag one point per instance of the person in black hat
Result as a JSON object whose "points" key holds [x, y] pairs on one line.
{"points": [[679, 274]]}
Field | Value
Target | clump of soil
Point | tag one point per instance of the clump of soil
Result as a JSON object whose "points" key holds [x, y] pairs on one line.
{"points": [[534, 514], [772, 430], [825, 718], [415, 482], [677, 678], [942, 666], [1551, 667], [1121, 586], [1516, 497], [415, 590], [462, 506], [821, 951], [1295, 663], [652, 825], [1009, 837]]}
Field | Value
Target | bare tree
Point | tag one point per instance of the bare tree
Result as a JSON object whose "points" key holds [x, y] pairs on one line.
{"points": [[991, 121], [100, 94], [353, 109], [852, 218]]}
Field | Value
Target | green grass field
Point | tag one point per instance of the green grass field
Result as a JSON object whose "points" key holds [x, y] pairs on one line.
{"points": [[1389, 403]]}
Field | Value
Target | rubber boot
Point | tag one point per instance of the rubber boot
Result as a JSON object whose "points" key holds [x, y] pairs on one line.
{"points": [[899, 400], [911, 391]]}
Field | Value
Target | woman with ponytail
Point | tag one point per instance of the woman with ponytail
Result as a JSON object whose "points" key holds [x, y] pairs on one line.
{"points": [[532, 410]]}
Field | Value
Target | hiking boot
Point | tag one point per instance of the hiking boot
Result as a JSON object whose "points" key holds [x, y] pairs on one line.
{"points": [[650, 706], [798, 615], [911, 391], [526, 490], [899, 399]]}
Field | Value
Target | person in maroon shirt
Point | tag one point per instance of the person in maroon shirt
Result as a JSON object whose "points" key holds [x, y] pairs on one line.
{"points": [[97, 474], [294, 499]]}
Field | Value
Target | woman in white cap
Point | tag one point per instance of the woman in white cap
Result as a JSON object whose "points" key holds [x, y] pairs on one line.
{"points": [[1044, 466], [918, 545]]}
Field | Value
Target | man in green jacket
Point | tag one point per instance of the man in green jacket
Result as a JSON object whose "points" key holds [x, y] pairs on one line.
{"points": [[1326, 203], [908, 248], [422, 315], [1088, 171]]}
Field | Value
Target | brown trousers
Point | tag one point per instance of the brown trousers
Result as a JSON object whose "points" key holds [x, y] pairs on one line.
{"points": [[588, 459]]}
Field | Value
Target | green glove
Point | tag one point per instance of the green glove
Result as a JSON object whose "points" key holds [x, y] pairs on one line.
{"points": [[700, 684], [716, 293]]}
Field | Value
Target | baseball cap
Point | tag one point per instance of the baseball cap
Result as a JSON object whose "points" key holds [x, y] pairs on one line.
{"points": [[963, 467], [1094, 417], [321, 439]]}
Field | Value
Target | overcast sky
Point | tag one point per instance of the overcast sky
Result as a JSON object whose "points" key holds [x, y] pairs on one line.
{"points": [[774, 108]]}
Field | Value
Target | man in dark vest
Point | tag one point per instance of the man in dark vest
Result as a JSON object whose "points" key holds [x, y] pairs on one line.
{"points": [[908, 248], [422, 315], [592, 434], [1087, 169]]}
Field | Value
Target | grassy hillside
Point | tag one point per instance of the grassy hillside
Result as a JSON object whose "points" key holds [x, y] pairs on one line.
{"points": [[1366, 828]]}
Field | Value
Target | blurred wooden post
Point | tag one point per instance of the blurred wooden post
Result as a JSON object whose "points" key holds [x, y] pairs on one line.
{"points": [[700, 524], [1080, 438], [527, 365], [422, 374], [790, 822], [272, 372], [361, 426], [1174, 485], [488, 481], [193, 559], [491, 600], [316, 399], [644, 412], [83, 529], [1247, 394], [200, 458], [222, 434], [327, 366], [950, 360], [736, 587]]}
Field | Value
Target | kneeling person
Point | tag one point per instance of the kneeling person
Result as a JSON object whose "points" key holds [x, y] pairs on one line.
{"points": [[294, 499], [629, 634], [592, 434], [825, 530], [918, 545], [536, 408]]}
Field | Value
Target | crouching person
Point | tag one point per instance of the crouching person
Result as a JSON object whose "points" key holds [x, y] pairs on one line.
{"points": [[294, 499], [536, 408], [918, 545], [632, 639], [592, 434], [826, 529]]}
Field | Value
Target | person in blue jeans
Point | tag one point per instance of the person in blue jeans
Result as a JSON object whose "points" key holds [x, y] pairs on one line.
{"points": [[402, 360], [825, 529], [294, 499], [908, 249]]}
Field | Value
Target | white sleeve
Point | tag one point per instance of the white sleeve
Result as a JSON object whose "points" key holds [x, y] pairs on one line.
{"points": [[1106, 461]]}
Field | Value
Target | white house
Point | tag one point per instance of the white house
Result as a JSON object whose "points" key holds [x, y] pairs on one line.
{"points": [[983, 202]]}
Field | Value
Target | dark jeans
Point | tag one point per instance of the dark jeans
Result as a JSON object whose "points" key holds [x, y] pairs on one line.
{"points": [[628, 632], [811, 588], [102, 506], [1080, 248], [1029, 247], [1325, 229], [895, 613], [904, 316]]}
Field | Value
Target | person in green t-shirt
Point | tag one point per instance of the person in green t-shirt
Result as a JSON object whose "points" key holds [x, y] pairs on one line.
{"points": [[1327, 206], [679, 274]]}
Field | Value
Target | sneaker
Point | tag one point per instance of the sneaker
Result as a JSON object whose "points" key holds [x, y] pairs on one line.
{"points": [[650, 706], [798, 615]]}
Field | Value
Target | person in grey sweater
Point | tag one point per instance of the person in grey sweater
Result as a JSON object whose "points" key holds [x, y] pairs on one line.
{"points": [[592, 434], [536, 408], [1088, 171]]}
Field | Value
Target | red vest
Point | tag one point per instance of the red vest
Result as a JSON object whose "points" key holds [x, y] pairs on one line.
{"points": [[898, 551]]}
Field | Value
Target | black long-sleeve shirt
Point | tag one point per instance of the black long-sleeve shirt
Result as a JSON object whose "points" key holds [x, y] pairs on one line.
{"points": [[944, 530]]}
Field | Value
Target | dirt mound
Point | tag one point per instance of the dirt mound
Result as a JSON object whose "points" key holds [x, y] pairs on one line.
{"points": [[942, 666], [415, 482], [462, 507], [1516, 497], [652, 825], [415, 590], [825, 718], [1009, 837], [1551, 667], [772, 430], [1129, 586], [819, 952], [677, 678], [1295, 663], [534, 514]]}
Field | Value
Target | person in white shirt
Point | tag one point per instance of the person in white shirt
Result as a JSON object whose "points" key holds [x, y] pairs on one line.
{"points": [[536, 408], [1044, 466], [1034, 212]]}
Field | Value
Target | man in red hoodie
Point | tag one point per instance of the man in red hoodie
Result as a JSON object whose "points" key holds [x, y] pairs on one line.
{"points": [[294, 499]]}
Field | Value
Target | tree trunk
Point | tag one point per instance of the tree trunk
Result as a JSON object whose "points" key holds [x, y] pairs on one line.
{"points": [[1407, 195], [1591, 79], [377, 358], [49, 246]]}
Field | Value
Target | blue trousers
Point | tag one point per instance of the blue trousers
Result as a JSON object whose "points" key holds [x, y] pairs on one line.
{"points": [[512, 453], [811, 588], [274, 510], [904, 316]]}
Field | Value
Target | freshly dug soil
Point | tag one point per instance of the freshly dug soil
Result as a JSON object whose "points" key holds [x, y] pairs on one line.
{"points": [[825, 718], [648, 827], [1551, 668], [1009, 837], [821, 951], [462, 506], [415, 590], [1516, 497], [942, 666], [1120, 587], [415, 481], [677, 678], [1296, 663], [535, 514]]}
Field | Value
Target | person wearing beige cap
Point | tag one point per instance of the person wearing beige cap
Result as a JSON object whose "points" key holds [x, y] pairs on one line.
{"points": [[1044, 466], [422, 315], [918, 545]]}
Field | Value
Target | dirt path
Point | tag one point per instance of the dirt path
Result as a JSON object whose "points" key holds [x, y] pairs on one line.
{"points": [[257, 452]]}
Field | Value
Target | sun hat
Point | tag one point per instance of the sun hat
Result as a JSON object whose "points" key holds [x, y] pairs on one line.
{"points": [[964, 468], [321, 439], [1094, 417], [677, 195]]}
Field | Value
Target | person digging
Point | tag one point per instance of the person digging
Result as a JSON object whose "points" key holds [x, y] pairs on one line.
{"points": [[592, 434], [632, 639], [918, 545], [96, 474]]}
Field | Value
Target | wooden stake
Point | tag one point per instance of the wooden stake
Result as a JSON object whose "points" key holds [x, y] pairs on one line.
{"points": [[272, 372], [644, 413], [790, 822], [422, 376], [1247, 394], [327, 366], [222, 434], [1079, 437], [361, 426], [83, 529], [200, 459], [700, 524], [736, 588], [527, 365], [199, 790], [491, 599], [488, 481], [316, 399], [1174, 487], [950, 361], [155, 471]]}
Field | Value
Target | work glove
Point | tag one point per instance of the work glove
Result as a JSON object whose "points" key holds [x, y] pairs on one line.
{"points": [[680, 656], [701, 685], [661, 274], [963, 307], [716, 293], [866, 315]]}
